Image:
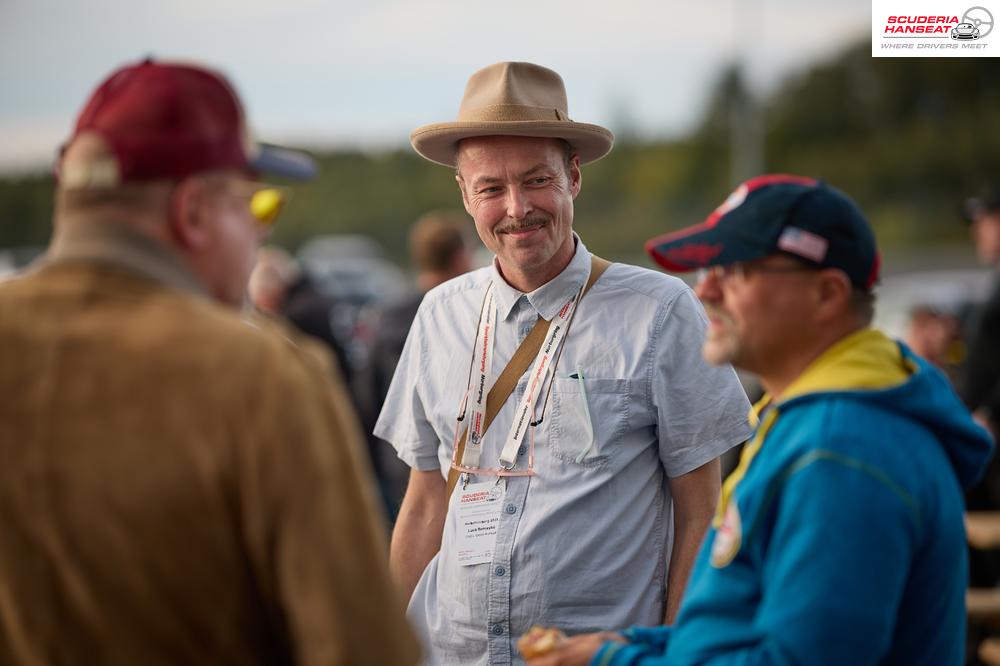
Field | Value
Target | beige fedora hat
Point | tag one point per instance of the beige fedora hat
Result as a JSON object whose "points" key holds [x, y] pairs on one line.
{"points": [[512, 99]]}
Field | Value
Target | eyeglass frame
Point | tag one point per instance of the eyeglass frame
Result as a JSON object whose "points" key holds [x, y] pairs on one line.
{"points": [[738, 271], [264, 200]]}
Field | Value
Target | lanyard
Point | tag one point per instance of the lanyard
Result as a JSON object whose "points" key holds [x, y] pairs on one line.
{"points": [[540, 371], [482, 366]]}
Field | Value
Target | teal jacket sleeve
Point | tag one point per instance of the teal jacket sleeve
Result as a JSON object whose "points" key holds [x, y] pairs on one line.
{"points": [[835, 545], [646, 645]]}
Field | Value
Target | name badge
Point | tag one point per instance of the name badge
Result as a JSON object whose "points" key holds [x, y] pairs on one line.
{"points": [[479, 507]]}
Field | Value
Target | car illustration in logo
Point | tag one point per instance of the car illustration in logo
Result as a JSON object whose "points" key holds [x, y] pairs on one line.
{"points": [[965, 31]]}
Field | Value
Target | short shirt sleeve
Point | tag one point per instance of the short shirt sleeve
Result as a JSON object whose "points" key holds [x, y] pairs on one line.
{"points": [[701, 409], [403, 421]]}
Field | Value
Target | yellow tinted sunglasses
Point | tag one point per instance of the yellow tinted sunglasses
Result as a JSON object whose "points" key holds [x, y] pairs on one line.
{"points": [[267, 203]]}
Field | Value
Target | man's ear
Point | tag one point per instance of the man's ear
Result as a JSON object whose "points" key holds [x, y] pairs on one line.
{"points": [[575, 175], [189, 221], [834, 294]]}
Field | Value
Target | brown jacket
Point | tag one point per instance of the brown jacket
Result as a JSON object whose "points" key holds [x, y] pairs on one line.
{"points": [[177, 485]]}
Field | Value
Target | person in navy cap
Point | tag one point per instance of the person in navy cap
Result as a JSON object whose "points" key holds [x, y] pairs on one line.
{"points": [[839, 538], [179, 485]]}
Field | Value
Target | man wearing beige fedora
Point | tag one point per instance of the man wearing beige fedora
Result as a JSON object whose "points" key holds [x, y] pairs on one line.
{"points": [[561, 426]]}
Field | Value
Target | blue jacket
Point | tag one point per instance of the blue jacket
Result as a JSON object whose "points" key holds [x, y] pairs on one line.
{"points": [[839, 539]]}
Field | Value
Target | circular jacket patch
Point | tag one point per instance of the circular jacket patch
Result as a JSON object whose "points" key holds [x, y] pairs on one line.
{"points": [[728, 537]]}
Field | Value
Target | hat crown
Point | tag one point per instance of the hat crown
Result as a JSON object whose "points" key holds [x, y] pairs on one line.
{"points": [[503, 87], [170, 120], [512, 99]]}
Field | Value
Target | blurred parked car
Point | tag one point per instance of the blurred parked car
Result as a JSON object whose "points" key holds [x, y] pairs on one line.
{"points": [[352, 268], [352, 271]]}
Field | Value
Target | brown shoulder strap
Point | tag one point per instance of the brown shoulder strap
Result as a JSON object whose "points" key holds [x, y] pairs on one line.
{"points": [[516, 367]]}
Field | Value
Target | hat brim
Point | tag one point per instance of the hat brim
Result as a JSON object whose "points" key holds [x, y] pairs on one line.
{"points": [[703, 245], [274, 160], [439, 142]]}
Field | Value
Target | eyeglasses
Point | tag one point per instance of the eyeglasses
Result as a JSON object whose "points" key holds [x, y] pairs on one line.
{"points": [[265, 202], [739, 271]]}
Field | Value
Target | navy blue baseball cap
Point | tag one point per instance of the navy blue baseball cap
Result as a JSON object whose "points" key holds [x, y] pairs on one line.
{"points": [[777, 214]]}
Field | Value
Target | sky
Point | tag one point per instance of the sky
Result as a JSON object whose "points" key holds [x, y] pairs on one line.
{"points": [[327, 74]]}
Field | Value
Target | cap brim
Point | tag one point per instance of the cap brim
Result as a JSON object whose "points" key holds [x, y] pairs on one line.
{"points": [[283, 162], [438, 142], [703, 245]]}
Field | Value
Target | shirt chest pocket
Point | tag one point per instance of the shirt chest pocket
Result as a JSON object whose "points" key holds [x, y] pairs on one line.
{"points": [[589, 418]]}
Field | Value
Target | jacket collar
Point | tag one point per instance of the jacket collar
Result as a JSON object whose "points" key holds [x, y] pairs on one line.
{"points": [[119, 245]]}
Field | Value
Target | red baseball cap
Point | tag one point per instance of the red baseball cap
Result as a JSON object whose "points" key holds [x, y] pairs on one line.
{"points": [[168, 121]]}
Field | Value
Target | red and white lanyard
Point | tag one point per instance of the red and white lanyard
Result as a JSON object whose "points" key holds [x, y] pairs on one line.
{"points": [[540, 371], [482, 366]]}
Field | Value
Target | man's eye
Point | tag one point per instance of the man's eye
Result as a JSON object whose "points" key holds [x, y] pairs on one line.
{"points": [[541, 180], [493, 189]]}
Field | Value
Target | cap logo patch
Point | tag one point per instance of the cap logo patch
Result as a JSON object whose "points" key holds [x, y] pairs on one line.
{"points": [[693, 254], [738, 196], [803, 243]]}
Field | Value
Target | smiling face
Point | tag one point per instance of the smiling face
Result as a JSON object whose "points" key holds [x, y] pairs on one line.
{"points": [[520, 191]]}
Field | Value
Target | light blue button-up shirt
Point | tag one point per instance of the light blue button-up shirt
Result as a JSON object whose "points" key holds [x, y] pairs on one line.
{"points": [[584, 544]]}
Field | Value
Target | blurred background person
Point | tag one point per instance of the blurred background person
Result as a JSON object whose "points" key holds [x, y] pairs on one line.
{"points": [[981, 388], [179, 484], [279, 287], [441, 247], [934, 332], [274, 271], [980, 381]]}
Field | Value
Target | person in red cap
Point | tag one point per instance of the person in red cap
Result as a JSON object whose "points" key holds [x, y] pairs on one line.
{"points": [[179, 484], [839, 538]]}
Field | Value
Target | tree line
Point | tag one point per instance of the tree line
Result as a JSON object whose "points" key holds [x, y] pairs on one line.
{"points": [[906, 137]]}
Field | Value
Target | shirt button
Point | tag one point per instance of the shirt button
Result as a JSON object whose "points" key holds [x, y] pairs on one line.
{"points": [[521, 450], [499, 571], [498, 630], [511, 508]]}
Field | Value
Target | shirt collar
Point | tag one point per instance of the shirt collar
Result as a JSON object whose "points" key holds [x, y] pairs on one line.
{"points": [[551, 296], [120, 245]]}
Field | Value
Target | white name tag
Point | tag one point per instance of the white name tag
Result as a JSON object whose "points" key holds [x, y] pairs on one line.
{"points": [[478, 517]]}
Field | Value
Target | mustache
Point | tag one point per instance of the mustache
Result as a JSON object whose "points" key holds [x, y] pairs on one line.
{"points": [[521, 225]]}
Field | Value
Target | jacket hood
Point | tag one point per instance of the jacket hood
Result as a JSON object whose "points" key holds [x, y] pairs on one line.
{"points": [[869, 366]]}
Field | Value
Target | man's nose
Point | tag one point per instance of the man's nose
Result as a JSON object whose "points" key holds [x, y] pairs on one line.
{"points": [[708, 288], [518, 203]]}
